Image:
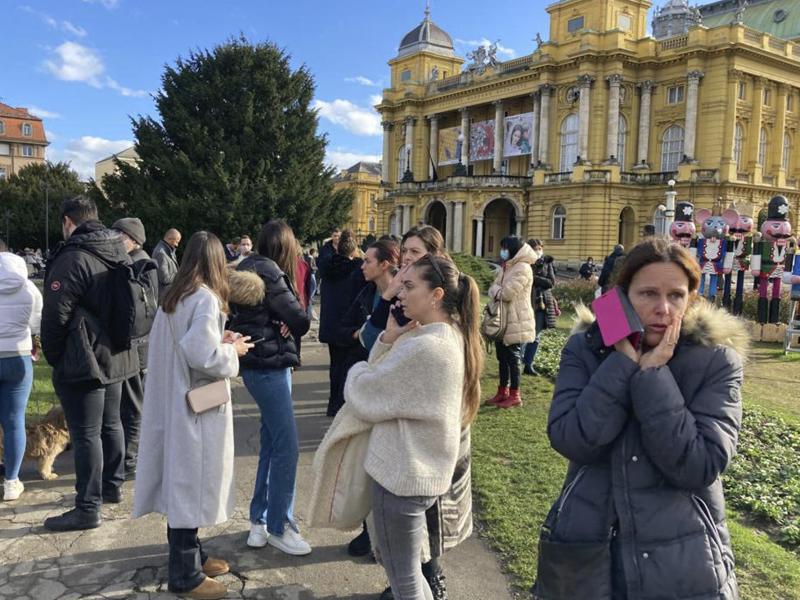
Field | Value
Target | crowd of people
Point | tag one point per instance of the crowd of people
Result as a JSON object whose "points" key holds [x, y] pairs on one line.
{"points": [[143, 351]]}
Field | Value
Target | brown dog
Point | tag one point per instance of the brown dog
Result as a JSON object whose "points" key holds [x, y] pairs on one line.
{"points": [[46, 439]]}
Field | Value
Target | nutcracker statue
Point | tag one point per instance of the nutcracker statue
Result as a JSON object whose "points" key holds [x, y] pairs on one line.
{"points": [[682, 230], [713, 248], [742, 237], [769, 258], [791, 273]]}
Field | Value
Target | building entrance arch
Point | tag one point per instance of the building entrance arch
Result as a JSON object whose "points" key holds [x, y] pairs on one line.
{"points": [[500, 219], [626, 232], [436, 216]]}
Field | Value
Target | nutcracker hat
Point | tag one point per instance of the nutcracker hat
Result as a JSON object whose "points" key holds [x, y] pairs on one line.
{"points": [[684, 211], [778, 209]]}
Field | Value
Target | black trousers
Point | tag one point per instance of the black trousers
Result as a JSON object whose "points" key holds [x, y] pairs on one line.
{"points": [[93, 419], [131, 415], [508, 358], [338, 375], [186, 559]]}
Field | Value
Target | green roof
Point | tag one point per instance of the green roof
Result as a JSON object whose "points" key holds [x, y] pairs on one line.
{"points": [[760, 16]]}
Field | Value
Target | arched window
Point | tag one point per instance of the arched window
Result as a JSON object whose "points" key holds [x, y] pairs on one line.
{"points": [[672, 148], [402, 162], [623, 135], [569, 142], [787, 151], [372, 224], [660, 222], [762, 147], [738, 145], [559, 222]]}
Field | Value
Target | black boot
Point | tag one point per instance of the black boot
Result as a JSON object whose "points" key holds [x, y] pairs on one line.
{"points": [[360, 545], [387, 594], [762, 310], [73, 520], [436, 582], [774, 310], [112, 495]]}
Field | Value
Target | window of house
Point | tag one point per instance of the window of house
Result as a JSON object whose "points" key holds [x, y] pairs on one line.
{"points": [[372, 224], [5, 149], [738, 145], [675, 94], [624, 22], [569, 142], [402, 162], [787, 151], [623, 135], [672, 148], [575, 24], [767, 96], [2, 127], [2, 172], [559, 222], [27, 130], [762, 147], [27, 151], [660, 222], [405, 75], [742, 90], [372, 200], [789, 102]]}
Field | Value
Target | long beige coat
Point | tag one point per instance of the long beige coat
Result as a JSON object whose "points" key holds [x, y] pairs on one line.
{"points": [[513, 285]]}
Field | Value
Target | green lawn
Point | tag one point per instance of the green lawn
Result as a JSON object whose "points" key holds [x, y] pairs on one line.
{"points": [[42, 395], [517, 476]]}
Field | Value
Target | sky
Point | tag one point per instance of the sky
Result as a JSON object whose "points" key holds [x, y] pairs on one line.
{"points": [[88, 66]]}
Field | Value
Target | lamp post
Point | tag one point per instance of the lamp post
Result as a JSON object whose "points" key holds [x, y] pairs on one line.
{"points": [[669, 211], [460, 170]]}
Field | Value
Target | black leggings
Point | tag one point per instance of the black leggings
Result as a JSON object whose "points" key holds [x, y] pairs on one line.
{"points": [[508, 357]]}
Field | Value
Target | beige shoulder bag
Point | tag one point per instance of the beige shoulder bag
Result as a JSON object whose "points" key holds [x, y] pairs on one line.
{"points": [[203, 397]]}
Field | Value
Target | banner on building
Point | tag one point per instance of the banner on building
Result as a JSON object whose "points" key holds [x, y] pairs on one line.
{"points": [[518, 132], [481, 141], [449, 147]]}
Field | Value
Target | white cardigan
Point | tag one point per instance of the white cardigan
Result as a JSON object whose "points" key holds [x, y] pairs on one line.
{"points": [[411, 391], [20, 305]]}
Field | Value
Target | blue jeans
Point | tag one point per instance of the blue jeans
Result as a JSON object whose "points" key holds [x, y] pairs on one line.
{"points": [[16, 380], [529, 351], [273, 496]]}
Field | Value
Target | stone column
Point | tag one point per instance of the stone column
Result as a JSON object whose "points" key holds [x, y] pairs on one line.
{"points": [[479, 236], [406, 218], [518, 226], [644, 124], [398, 220], [387, 151], [465, 132], [448, 236], [457, 231], [585, 104], [545, 91], [433, 159], [779, 130], [535, 131], [497, 161], [753, 136], [690, 136], [612, 143], [410, 145]]}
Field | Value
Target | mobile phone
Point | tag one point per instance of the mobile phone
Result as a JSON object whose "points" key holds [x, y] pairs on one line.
{"points": [[617, 319], [255, 340], [399, 316]]}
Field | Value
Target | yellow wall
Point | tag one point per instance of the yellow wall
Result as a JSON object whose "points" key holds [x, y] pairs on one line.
{"points": [[364, 212]]}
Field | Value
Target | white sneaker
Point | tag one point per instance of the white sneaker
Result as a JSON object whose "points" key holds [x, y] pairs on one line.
{"points": [[12, 489], [291, 542], [258, 535]]}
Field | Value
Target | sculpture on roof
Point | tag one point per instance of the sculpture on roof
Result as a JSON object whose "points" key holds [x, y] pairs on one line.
{"points": [[738, 17], [483, 56]]}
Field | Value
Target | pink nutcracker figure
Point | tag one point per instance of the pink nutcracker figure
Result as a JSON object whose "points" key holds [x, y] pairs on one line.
{"points": [[713, 248], [742, 237], [682, 230], [769, 258]]}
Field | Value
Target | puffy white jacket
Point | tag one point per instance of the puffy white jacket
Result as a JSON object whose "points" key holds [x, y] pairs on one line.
{"points": [[20, 305]]}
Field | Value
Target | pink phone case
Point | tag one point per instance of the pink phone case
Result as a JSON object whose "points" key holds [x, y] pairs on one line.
{"points": [[617, 319]]}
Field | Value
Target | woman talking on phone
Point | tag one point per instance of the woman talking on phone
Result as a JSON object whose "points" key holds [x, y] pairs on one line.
{"points": [[648, 431]]}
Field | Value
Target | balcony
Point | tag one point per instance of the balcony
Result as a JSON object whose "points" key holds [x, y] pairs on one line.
{"points": [[462, 183], [559, 177], [705, 176], [658, 178]]}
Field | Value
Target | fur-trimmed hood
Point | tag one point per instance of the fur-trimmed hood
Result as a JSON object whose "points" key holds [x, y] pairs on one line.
{"points": [[246, 288], [703, 324]]}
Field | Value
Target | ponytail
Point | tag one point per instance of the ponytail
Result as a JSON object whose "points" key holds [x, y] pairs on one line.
{"points": [[469, 308]]}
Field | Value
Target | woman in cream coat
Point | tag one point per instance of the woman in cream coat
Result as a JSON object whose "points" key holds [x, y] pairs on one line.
{"points": [[185, 467]]}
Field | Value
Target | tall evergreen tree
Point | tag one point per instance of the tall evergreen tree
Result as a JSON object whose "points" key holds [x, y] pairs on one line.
{"points": [[236, 145]]}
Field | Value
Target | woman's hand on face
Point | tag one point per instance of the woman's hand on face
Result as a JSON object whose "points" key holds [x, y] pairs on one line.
{"points": [[394, 331], [662, 354], [625, 347], [396, 284], [242, 345]]}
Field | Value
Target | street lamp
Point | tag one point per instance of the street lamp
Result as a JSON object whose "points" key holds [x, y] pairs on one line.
{"points": [[669, 211], [460, 170]]}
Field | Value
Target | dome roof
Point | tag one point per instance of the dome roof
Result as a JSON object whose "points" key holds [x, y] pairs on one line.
{"points": [[427, 36]]}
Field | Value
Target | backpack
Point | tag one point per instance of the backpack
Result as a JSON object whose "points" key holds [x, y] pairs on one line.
{"points": [[494, 321]]}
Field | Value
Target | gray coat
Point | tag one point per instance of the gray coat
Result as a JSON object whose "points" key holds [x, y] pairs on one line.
{"points": [[646, 451], [167, 261]]}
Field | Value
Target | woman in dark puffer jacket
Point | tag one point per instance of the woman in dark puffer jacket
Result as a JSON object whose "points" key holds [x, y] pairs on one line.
{"points": [[648, 434]]}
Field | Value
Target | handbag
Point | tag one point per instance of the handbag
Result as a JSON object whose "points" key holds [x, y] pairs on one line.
{"points": [[494, 321], [203, 397]]}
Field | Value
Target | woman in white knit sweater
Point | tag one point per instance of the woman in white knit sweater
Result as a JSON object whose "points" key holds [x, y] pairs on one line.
{"points": [[419, 387]]}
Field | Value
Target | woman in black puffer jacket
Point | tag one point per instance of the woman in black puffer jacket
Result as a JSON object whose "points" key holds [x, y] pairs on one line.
{"points": [[274, 318]]}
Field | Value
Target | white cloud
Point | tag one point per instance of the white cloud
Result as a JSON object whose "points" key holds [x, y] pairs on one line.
{"points": [[360, 79], [65, 26], [502, 51], [84, 152], [109, 4], [42, 113], [353, 118], [375, 99], [74, 62], [343, 159]]}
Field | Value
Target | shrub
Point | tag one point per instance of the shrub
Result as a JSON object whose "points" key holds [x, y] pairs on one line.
{"points": [[569, 293], [750, 306], [476, 268], [548, 355]]}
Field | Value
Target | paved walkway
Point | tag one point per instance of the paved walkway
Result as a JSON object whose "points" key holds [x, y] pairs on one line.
{"points": [[127, 559]]}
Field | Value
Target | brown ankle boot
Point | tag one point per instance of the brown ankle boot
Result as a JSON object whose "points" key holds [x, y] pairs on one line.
{"points": [[214, 567], [208, 590], [512, 400], [500, 396]]}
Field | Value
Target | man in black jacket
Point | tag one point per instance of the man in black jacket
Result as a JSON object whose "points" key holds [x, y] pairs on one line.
{"points": [[87, 371], [133, 236], [610, 266]]}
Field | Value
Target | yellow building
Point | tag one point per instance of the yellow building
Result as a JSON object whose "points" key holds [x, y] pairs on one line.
{"points": [[108, 165], [575, 143], [22, 139], [364, 178]]}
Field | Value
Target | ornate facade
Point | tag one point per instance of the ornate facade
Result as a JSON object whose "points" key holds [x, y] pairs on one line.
{"points": [[364, 178], [22, 139], [606, 116]]}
